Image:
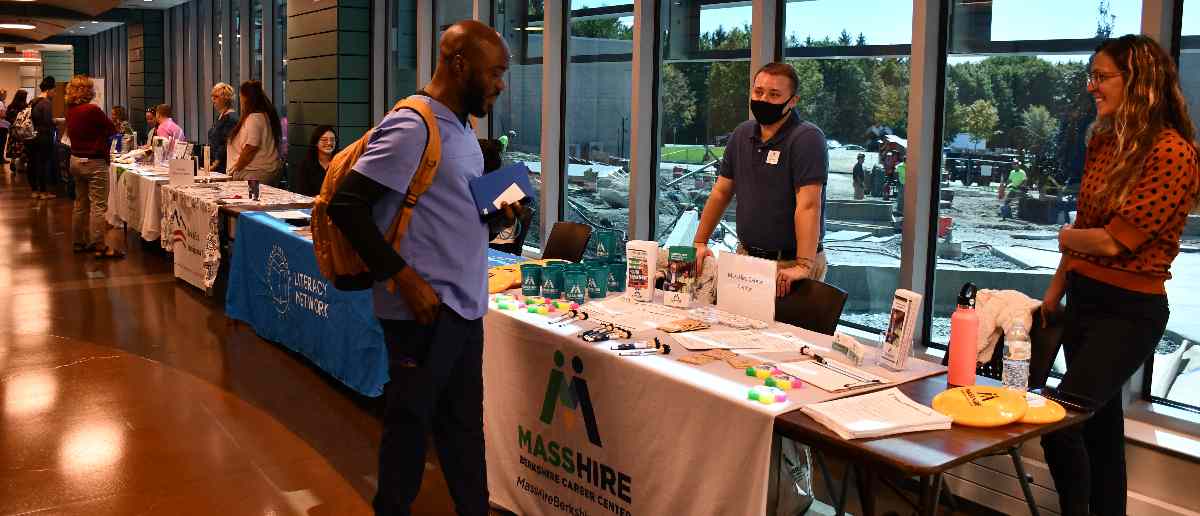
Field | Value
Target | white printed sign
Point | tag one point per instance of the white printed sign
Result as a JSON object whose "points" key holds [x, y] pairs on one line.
{"points": [[181, 172], [746, 286]]}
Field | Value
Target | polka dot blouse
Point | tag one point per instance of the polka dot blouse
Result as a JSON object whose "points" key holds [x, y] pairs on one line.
{"points": [[1149, 223]]}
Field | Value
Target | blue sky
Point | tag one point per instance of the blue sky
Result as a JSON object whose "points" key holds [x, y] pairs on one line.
{"points": [[888, 22]]}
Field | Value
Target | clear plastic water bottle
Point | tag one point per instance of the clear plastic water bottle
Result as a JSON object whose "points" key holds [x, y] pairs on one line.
{"points": [[1017, 350]]}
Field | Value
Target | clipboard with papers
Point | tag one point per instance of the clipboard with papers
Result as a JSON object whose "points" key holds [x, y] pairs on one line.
{"points": [[831, 375]]}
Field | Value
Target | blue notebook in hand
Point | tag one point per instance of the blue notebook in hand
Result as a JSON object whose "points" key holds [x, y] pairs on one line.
{"points": [[505, 185]]}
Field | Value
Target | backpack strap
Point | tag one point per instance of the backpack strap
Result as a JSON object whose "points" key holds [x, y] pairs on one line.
{"points": [[424, 176]]}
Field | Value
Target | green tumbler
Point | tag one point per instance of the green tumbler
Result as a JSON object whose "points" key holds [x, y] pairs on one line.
{"points": [[531, 279], [616, 275], [575, 285], [597, 282], [552, 281]]}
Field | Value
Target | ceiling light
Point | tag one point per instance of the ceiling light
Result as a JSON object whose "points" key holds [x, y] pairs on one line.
{"points": [[17, 26], [95, 22]]}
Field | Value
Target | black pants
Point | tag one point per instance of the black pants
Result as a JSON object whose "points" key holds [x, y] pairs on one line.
{"points": [[1110, 332], [41, 164], [3, 144], [436, 386]]}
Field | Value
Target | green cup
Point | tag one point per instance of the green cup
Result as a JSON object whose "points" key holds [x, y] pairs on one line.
{"points": [[606, 243], [552, 281], [597, 282], [575, 285], [616, 275], [531, 279]]}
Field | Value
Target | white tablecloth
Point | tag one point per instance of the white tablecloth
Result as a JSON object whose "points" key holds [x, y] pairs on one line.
{"points": [[191, 228], [134, 199], [669, 438]]}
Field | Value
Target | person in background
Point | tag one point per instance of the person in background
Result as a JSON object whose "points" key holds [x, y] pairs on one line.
{"points": [[15, 149], [433, 322], [227, 119], [89, 130], [41, 148], [151, 126], [777, 166], [166, 126], [1017, 176], [120, 120], [859, 176], [1140, 180], [4, 125], [322, 147], [253, 143]]}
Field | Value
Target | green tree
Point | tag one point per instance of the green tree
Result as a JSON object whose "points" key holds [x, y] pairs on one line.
{"points": [[1039, 127], [728, 82], [602, 28], [728, 97], [980, 120], [678, 101]]}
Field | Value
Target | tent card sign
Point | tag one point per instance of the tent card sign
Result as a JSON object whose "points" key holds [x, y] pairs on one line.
{"points": [[641, 263], [681, 266], [746, 286], [181, 172], [899, 337]]}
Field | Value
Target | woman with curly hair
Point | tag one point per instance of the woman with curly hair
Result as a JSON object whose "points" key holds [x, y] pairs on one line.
{"points": [[89, 129], [1140, 181]]}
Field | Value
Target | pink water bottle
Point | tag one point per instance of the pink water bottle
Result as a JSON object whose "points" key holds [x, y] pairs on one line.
{"points": [[964, 338]]}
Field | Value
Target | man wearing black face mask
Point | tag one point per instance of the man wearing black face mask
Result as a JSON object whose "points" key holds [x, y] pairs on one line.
{"points": [[776, 165], [433, 322]]}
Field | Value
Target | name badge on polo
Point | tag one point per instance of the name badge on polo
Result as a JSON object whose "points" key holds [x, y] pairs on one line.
{"points": [[773, 157]]}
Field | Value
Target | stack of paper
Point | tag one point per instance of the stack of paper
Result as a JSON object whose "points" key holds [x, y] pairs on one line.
{"points": [[876, 414]]}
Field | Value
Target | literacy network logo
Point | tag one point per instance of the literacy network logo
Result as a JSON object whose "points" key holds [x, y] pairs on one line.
{"points": [[571, 395], [279, 282]]}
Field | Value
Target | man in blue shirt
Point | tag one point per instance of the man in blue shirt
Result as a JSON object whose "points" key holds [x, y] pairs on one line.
{"points": [[777, 166], [433, 323]]}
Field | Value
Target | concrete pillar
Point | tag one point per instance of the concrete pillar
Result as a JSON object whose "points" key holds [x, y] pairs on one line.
{"points": [[329, 70], [145, 64]]}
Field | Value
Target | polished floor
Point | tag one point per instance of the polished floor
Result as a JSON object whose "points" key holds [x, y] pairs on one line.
{"points": [[124, 391]]}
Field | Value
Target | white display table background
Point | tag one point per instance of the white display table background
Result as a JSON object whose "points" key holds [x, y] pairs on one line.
{"points": [[134, 198], [191, 228], [683, 439]]}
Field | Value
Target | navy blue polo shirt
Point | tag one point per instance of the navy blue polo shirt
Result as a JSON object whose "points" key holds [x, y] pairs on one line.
{"points": [[766, 176]]}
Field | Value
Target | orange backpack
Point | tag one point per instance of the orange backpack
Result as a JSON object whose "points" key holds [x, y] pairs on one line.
{"points": [[336, 258]]}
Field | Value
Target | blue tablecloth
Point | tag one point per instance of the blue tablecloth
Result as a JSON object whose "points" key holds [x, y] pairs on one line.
{"points": [[276, 288]]}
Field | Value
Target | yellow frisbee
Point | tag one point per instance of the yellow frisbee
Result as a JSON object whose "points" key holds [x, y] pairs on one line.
{"points": [[1042, 410], [981, 406], [503, 277]]}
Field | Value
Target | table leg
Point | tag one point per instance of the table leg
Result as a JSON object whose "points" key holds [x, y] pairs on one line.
{"points": [[927, 505], [866, 489], [1023, 479]]}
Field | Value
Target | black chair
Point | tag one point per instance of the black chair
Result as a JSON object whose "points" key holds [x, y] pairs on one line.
{"points": [[812, 305], [567, 241]]}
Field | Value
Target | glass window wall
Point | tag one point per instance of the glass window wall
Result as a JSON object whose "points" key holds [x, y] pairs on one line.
{"points": [[854, 82], [402, 50], [1176, 366], [517, 116], [599, 82], [703, 95], [1014, 128]]}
